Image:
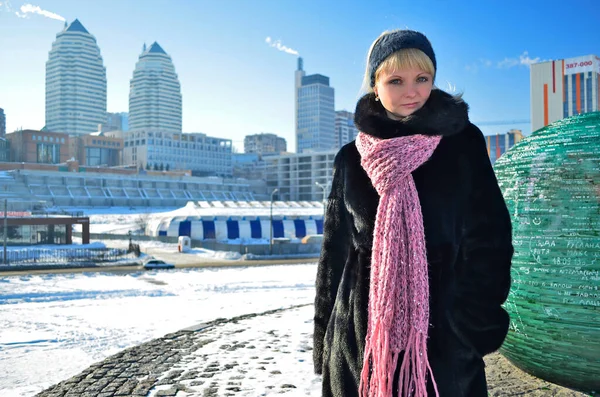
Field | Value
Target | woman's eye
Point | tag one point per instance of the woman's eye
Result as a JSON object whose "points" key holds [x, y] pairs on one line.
{"points": [[423, 79], [396, 81]]}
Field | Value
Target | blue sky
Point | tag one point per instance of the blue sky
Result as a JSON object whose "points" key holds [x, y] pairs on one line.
{"points": [[235, 84]]}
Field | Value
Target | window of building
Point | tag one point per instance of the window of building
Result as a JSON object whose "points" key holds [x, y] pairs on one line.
{"points": [[35, 234], [96, 156], [566, 101], [582, 92], [574, 93], [48, 153], [589, 92]]}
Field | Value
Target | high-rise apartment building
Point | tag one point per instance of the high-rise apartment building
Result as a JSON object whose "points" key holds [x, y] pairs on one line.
{"points": [[75, 82], [116, 122], [155, 93], [563, 88], [2, 123], [315, 112], [345, 130], [264, 144], [499, 144], [300, 176]]}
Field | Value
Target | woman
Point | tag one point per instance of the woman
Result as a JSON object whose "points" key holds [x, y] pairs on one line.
{"points": [[417, 244]]}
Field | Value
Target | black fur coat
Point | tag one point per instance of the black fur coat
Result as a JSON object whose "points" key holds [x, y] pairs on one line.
{"points": [[469, 250]]}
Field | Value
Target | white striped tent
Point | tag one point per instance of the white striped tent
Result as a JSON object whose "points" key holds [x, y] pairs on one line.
{"points": [[222, 228]]}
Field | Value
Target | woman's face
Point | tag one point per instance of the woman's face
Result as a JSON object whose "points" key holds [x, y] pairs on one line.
{"points": [[403, 92]]}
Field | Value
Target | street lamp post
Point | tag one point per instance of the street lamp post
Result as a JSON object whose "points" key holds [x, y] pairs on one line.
{"points": [[271, 223], [324, 203]]}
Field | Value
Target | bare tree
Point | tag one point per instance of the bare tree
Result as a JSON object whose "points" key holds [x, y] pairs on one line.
{"points": [[142, 222]]}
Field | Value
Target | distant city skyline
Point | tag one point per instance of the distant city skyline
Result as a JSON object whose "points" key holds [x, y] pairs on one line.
{"points": [[236, 63]]}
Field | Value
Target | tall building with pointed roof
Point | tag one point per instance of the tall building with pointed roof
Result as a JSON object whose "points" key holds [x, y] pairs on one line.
{"points": [[75, 82], [155, 93]]}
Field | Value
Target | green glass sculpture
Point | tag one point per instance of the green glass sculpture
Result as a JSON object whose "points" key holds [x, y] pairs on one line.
{"points": [[551, 184]]}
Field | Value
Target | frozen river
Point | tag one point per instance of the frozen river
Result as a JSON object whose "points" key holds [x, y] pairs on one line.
{"points": [[55, 326]]}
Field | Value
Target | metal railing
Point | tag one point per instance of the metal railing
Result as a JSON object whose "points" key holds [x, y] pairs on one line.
{"points": [[67, 255]]}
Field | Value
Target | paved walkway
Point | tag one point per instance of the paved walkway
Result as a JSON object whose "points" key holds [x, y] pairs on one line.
{"points": [[253, 355]]}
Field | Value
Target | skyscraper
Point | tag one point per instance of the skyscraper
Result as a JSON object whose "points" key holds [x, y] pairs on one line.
{"points": [[564, 88], [345, 130], [298, 74], [2, 123], [315, 114], [75, 82], [155, 93], [117, 122]]}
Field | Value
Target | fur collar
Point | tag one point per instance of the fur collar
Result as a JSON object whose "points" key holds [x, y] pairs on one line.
{"points": [[442, 114]]}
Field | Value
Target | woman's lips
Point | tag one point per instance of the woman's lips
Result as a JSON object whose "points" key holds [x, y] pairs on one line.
{"points": [[410, 105]]}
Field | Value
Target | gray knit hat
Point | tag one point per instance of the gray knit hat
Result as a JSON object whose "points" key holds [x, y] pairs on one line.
{"points": [[396, 41]]}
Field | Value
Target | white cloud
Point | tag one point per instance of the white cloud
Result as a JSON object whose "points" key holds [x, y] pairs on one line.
{"points": [[508, 63], [5, 6], [27, 9], [523, 60], [474, 67], [277, 44]]}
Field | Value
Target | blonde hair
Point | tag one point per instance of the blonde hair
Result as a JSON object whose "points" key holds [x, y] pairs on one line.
{"points": [[406, 58]]}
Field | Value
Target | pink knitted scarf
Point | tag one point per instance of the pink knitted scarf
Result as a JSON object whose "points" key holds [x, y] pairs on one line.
{"points": [[399, 291]]}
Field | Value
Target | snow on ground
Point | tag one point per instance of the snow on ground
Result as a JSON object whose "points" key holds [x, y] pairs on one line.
{"points": [[117, 220], [204, 253], [269, 355], [78, 319], [159, 247]]}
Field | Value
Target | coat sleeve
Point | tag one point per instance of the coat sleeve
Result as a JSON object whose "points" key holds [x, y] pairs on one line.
{"points": [[483, 268], [334, 252]]}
